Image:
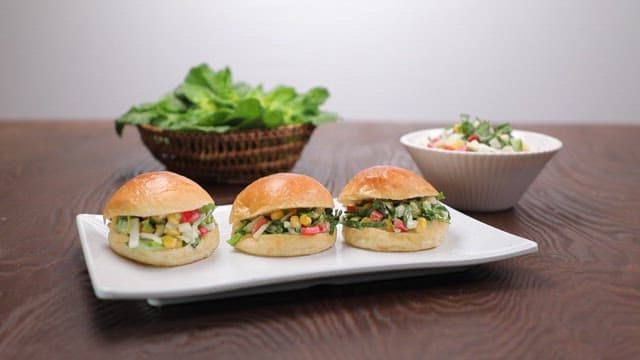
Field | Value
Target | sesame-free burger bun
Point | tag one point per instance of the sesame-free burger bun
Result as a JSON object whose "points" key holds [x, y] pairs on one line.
{"points": [[159, 193], [279, 191], [276, 192], [385, 182], [168, 257], [156, 193], [382, 240], [286, 244], [389, 182]]}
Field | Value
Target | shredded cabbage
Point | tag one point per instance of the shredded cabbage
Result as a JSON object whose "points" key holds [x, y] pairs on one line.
{"points": [[153, 237], [134, 236]]}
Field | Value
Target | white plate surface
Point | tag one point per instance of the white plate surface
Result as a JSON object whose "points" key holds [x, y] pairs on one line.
{"points": [[229, 273]]}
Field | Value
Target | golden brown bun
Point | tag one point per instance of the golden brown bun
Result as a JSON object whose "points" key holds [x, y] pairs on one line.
{"points": [[286, 244], [168, 257], [385, 182], [279, 191], [156, 193], [382, 240]]}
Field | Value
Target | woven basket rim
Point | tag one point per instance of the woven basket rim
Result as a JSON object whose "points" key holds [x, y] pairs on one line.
{"points": [[153, 128], [232, 157]]}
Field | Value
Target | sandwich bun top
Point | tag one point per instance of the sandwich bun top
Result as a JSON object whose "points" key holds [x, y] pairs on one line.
{"points": [[385, 182], [156, 193], [279, 191]]}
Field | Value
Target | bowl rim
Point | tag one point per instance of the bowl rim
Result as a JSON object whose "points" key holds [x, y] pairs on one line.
{"points": [[555, 146]]}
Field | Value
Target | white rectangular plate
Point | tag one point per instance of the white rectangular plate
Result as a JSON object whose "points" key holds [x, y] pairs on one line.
{"points": [[228, 272]]}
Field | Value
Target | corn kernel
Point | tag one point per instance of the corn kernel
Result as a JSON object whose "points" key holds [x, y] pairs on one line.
{"points": [[422, 225], [458, 144], [388, 225], [295, 221], [173, 218], [277, 215], [305, 220], [170, 242], [172, 231]]}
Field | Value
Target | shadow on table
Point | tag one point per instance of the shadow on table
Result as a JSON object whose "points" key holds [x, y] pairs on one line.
{"points": [[120, 320]]}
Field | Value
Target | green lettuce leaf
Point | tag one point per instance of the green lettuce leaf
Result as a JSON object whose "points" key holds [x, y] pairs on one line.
{"points": [[209, 100]]}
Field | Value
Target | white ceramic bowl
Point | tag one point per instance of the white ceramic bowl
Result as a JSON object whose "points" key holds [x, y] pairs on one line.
{"points": [[481, 181]]}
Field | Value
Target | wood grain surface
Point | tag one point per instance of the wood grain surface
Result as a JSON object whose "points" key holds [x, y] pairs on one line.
{"points": [[578, 298]]}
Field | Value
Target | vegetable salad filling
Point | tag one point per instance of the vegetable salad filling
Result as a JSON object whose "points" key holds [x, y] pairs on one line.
{"points": [[169, 231], [303, 221], [477, 136], [411, 215]]}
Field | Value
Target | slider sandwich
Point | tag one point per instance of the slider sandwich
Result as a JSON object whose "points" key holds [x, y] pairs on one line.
{"points": [[392, 209], [283, 214], [162, 219]]}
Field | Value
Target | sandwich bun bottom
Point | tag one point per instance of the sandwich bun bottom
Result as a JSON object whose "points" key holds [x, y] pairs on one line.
{"points": [[382, 240], [168, 257], [286, 244]]}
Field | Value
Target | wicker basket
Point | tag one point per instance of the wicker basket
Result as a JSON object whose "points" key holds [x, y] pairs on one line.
{"points": [[237, 157]]}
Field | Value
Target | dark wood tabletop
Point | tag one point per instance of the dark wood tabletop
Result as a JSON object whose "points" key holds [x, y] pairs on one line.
{"points": [[578, 297]]}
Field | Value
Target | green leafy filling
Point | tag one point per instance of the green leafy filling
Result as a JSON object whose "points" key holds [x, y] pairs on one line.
{"points": [[359, 216], [317, 215], [152, 223], [485, 132]]}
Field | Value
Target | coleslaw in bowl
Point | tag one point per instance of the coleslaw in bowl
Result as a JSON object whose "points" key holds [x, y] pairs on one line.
{"points": [[481, 180], [477, 136]]}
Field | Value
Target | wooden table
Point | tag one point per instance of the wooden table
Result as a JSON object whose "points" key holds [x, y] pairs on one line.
{"points": [[579, 297]]}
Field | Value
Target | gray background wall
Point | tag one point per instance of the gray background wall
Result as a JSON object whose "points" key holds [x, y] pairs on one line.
{"points": [[521, 61]]}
